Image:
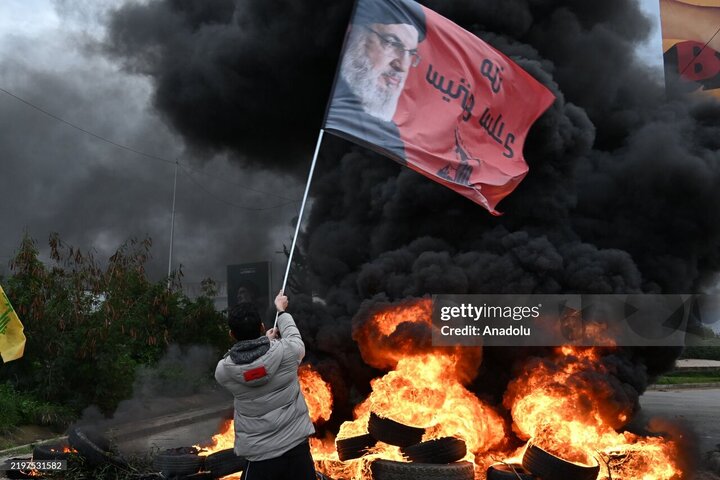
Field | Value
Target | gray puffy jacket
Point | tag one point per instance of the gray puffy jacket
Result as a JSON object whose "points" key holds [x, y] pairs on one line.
{"points": [[271, 415]]}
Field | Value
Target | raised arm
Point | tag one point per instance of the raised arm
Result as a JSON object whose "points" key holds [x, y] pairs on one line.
{"points": [[289, 332]]}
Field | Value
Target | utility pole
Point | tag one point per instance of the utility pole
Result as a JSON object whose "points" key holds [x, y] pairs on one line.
{"points": [[172, 224]]}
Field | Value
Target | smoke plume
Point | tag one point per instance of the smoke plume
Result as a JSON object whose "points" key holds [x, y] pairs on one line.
{"points": [[621, 196]]}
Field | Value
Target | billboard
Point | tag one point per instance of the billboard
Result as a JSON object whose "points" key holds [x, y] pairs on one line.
{"points": [[249, 282], [691, 42]]}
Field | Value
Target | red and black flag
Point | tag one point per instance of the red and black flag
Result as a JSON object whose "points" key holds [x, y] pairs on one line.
{"points": [[416, 87]]}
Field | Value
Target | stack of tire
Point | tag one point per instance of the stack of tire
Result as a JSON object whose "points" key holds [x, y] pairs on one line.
{"points": [[186, 463], [435, 459]]}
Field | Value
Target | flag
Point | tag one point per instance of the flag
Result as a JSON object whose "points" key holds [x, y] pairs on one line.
{"points": [[12, 338], [419, 89]]}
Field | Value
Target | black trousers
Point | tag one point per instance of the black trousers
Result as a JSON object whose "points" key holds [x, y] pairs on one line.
{"points": [[295, 464]]}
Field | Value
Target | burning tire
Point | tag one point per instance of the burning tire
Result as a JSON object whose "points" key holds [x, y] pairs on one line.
{"points": [[53, 451], [550, 467], [94, 448], [177, 462], [508, 471], [224, 463], [354, 447], [440, 450], [392, 432], [15, 474], [389, 470]]}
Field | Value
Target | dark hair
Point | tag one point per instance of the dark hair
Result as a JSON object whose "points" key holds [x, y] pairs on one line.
{"points": [[244, 321], [391, 11]]}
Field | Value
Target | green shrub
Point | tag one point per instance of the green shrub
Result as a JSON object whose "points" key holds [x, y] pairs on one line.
{"points": [[19, 409], [9, 413], [90, 326], [703, 352]]}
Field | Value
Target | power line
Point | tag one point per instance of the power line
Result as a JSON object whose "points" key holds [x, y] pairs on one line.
{"points": [[201, 187], [95, 135], [133, 150]]}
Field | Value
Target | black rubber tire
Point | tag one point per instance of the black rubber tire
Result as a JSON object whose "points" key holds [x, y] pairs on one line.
{"points": [[224, 463], [389, 470], [550, 467], [50, 451], [93, 448], [354, 447], [18, 474], [503, 471], [439, 450], [175, 464], [14, 474], [392, 432]]}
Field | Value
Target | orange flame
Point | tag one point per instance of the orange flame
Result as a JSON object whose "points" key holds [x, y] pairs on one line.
{"points": [[317, 393], [568, 406], [424, 389]]}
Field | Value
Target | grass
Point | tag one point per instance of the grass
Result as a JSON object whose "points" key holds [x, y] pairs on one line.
{"points": [[680, 377], [668, 380]]}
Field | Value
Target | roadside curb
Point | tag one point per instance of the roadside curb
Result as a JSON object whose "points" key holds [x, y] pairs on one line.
{"points": [[683, 386], [136, 429], [132, 431]]}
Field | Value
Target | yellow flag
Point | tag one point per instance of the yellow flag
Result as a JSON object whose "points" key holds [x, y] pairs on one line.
{"points": [[12, 338]]}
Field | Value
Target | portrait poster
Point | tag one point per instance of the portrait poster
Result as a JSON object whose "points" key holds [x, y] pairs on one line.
{"points": [[249, 282], [421, 90]]}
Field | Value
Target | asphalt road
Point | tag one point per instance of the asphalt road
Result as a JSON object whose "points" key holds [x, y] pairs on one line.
{"points": [[196, 433], [696, 408]]}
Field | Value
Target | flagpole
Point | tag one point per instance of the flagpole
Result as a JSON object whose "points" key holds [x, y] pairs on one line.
{"points": [[300, 215]]}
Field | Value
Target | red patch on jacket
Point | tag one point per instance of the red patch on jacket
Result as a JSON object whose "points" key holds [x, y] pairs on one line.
{"points": [[255, 373]]}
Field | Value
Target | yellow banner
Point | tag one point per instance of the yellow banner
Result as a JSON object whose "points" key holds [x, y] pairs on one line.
{"points": [[12, 338], [691, 43]]}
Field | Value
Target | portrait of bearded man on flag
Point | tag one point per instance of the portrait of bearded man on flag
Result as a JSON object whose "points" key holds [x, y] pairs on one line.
{"points": [[380, 52]]}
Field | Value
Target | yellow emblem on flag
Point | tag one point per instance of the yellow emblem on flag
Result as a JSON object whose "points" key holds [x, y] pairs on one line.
{"points": [[12, 338]]}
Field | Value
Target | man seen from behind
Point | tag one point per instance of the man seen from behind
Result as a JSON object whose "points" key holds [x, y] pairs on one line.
{"points": [[272, 424]]}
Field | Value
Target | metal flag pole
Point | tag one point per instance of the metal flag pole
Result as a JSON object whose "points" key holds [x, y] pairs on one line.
{"points": [[172, 225], [300, 215]]}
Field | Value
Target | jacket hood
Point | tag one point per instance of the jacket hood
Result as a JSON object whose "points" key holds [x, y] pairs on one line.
{"points": [[253, 362], [246, 351]]}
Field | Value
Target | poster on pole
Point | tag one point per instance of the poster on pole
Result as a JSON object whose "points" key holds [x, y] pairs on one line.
{"points": [[249, 282]]}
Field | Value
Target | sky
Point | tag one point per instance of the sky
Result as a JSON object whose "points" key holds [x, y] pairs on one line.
{"points": [[95, 195], [56, 178]]}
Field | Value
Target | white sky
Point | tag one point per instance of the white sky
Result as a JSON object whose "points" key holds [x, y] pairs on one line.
{"points": [[651, 51]]}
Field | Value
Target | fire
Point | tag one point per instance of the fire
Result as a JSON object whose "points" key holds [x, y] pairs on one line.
{"points": [[317, 393], [221, 441], [568, 406], [424, 388]]}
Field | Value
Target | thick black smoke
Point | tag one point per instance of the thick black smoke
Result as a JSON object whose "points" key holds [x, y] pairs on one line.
{"points": [[621, 197]]}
